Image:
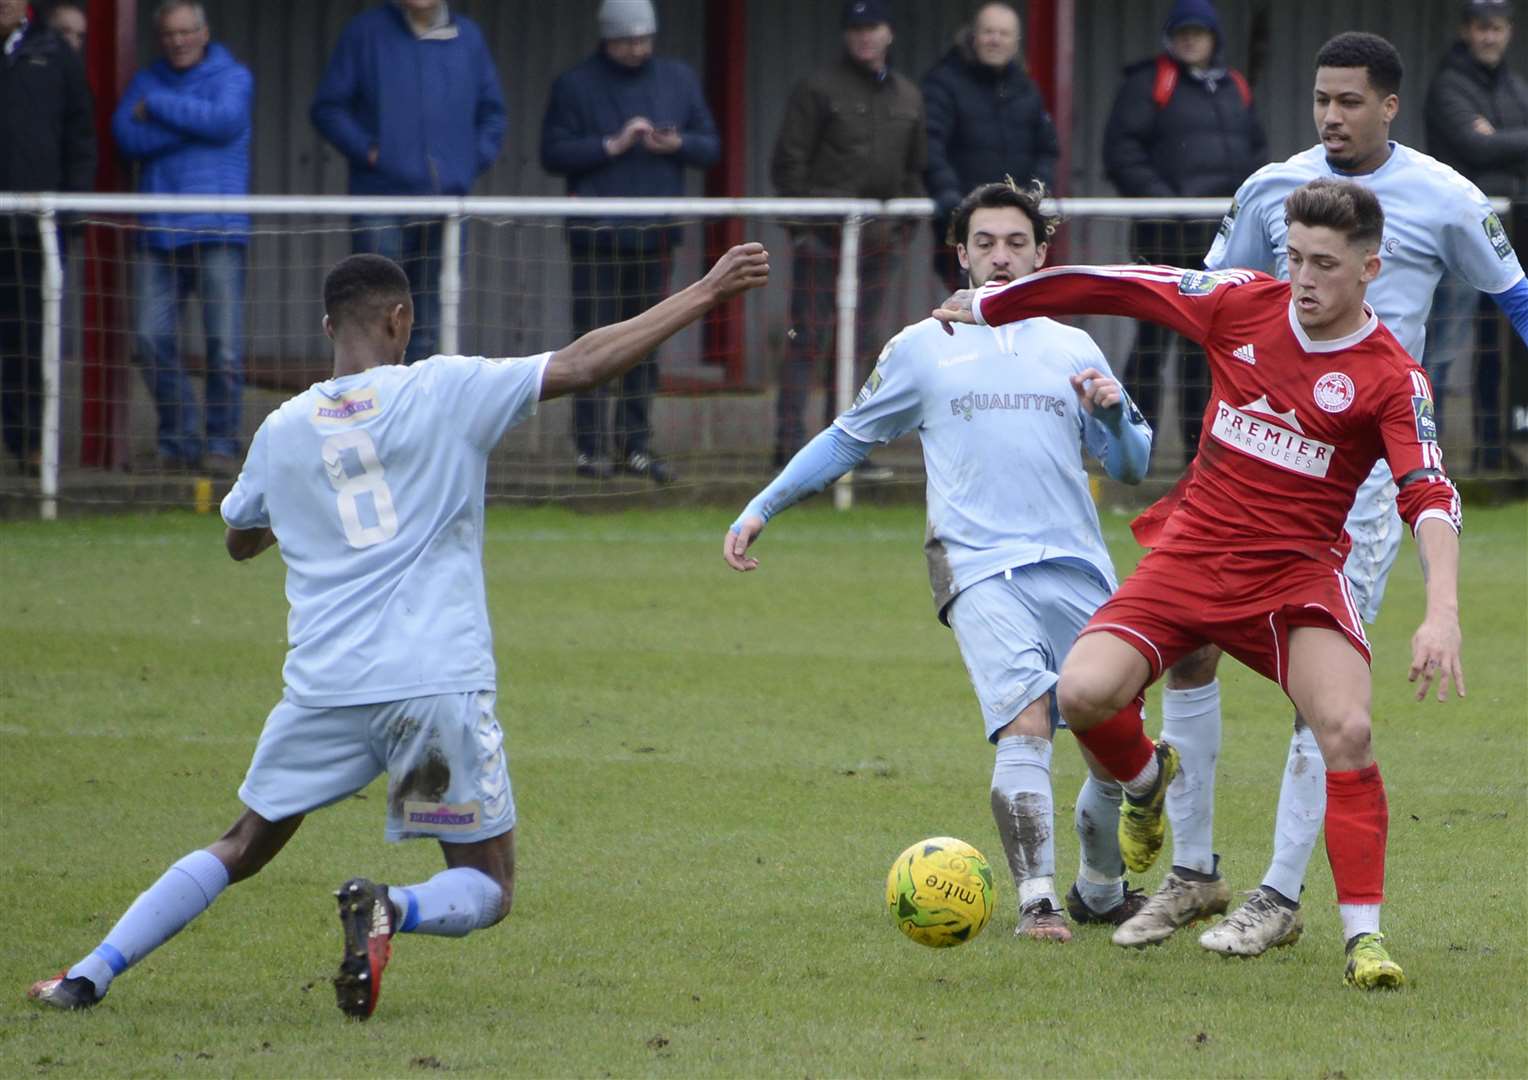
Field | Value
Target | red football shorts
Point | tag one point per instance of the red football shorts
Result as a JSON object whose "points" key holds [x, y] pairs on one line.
{"points": [[1246, 604]]}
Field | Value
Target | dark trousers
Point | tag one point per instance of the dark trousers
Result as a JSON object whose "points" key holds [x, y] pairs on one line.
{"points": [[415, 246], [1463, 322], [617, 276], [1170, 243], [810, 356], [20, 337]]}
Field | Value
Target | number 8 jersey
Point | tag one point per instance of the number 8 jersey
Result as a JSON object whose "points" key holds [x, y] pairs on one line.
{"points": [[373, 485]]}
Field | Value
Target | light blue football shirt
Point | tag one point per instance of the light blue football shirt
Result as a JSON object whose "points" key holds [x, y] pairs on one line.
{"points": [[1436, 222], [373, 484], [1002, 435]]}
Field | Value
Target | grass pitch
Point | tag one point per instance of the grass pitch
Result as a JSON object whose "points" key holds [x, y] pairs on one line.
{"points": [[714, 773]]}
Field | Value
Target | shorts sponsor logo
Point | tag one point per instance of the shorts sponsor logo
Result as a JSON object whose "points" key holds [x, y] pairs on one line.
{"points": [[432, 817], [1273, 443], [1427, 421], [1497, 235], [1335, 392], [970, 403], [347, 408]]}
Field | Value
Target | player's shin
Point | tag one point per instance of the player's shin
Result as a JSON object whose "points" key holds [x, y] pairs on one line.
{"points": [[1302, 806], [1357, 825], [1191, 724], [1101, 873], [1023, 810], [453, 903], [161, 911], [1121, 746]]}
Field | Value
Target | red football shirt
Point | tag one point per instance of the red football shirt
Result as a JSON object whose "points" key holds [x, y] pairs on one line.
{"points": [[1293, 426]]}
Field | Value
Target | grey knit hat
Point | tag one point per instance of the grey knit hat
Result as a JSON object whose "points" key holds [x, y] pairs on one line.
{"points": [[627, 18]]}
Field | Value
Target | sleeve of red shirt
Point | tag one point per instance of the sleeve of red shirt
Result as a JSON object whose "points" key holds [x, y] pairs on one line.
{"points": [[1183, 300], [1408, 427]]}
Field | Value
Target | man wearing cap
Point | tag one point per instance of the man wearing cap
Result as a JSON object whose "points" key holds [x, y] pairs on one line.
{"points": [[623, 123], [854, 130], [1477, 121], [411, 97], [1183, 124]]}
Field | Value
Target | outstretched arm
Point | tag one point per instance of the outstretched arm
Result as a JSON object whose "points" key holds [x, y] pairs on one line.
{"points": [[1437, 644], [609, 351], [816, 465]]}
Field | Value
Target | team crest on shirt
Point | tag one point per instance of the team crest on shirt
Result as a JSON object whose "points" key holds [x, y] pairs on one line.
{"points": [[347, 408], [1497, 234], [1335, 392], [1427, 420]]}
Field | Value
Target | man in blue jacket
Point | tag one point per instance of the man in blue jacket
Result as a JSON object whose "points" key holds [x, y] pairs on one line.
{"points": [[411, 97], [623, 123], [186, 120]]}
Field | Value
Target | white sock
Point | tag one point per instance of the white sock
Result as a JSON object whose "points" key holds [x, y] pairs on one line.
{"points": [[1358, 919], [1025, 815], [1101, 870], [1302, 809], [453, 903], [1140, 785], [1191, 723], [161, 911]]}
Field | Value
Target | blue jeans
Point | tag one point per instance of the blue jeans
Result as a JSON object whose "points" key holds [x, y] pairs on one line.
{"points": [[415, 246], [215, 272]]}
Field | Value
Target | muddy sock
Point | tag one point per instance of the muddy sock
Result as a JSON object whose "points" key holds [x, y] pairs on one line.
{"points": [[1021, 806], [1101, 875], [453, 903]]}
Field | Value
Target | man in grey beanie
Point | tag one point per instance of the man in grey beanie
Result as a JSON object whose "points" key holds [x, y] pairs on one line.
{"points": [[623, 123]]}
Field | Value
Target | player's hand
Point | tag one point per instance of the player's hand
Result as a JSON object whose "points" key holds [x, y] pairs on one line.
{"points": [[664, 140], [956, 309], [737, 541], [1482, 126], [634, 131], [1435, 649], [1097, 391], [743, 267]]}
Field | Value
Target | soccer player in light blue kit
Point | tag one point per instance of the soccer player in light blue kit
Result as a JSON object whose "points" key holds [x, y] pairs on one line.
{"points": [[1436, 222], [1015, 557], [372, 484]]}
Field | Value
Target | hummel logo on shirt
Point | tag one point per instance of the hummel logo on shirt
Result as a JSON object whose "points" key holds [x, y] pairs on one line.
{"points": [[1245, 353]]}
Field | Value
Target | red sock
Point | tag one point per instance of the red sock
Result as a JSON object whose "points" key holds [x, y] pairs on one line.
{"points": [[1357, 822], [1120, 743]]}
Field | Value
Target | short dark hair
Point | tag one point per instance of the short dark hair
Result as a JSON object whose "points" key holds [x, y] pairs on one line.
{"points": [[1371, 52], [1005, 193], [1343, 205], [360, 284]]}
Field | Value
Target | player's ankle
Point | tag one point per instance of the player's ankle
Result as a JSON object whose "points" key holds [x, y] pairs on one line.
{"points": [[1279, 898]]}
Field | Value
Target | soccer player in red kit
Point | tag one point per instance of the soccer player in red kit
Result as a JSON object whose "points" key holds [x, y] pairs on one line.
{"points": [[1309, 390]]}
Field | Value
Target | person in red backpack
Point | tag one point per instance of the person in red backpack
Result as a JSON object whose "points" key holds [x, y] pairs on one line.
{"points": [[1183, 125]]}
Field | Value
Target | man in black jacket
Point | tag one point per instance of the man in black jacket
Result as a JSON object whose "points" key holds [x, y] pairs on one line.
{"points": [[48, 145], [986, 120], [1183, 124], [1477, 121]]}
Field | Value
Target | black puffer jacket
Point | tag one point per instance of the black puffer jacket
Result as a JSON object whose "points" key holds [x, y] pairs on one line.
{"points": [[983, 123], [1463, 91], [46, 127], [1203, 142]]}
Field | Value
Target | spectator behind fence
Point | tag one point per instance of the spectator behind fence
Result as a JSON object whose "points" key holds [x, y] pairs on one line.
{"points": [[854, 130], [1477, 121], [186, 120], [69, 22], [623, 123], [986, 120], [1183, 125], [411, 97], [47, 143]]}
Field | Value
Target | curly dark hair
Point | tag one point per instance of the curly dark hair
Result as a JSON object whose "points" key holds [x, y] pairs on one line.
{"points": [[1005, 193], [1368, 51]]}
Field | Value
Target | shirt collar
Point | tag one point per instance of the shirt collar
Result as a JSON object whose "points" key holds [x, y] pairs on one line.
{"points": [[440, 30], [1337, 344]]}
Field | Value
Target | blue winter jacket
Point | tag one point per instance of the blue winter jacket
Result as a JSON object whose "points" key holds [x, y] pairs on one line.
{"points": [[194, 141], [593, 101], [431, 106]]}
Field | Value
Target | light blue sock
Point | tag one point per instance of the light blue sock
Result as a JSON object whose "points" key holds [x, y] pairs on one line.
{"points": [[1101, 873], [453, 903], [161, 911], [1022, 808]]}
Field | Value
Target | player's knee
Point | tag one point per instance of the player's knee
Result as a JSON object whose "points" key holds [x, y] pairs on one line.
{"points": [[1194, 670], [1345, 739], [1083, 701]]}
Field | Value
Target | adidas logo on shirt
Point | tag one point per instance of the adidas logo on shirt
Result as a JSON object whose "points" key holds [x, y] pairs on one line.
{"points": [[1245, 353]]}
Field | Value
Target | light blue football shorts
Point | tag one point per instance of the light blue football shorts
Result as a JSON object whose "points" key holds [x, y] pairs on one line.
{"points": [[1376, 528], [1015, 628], [443, 755]]}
